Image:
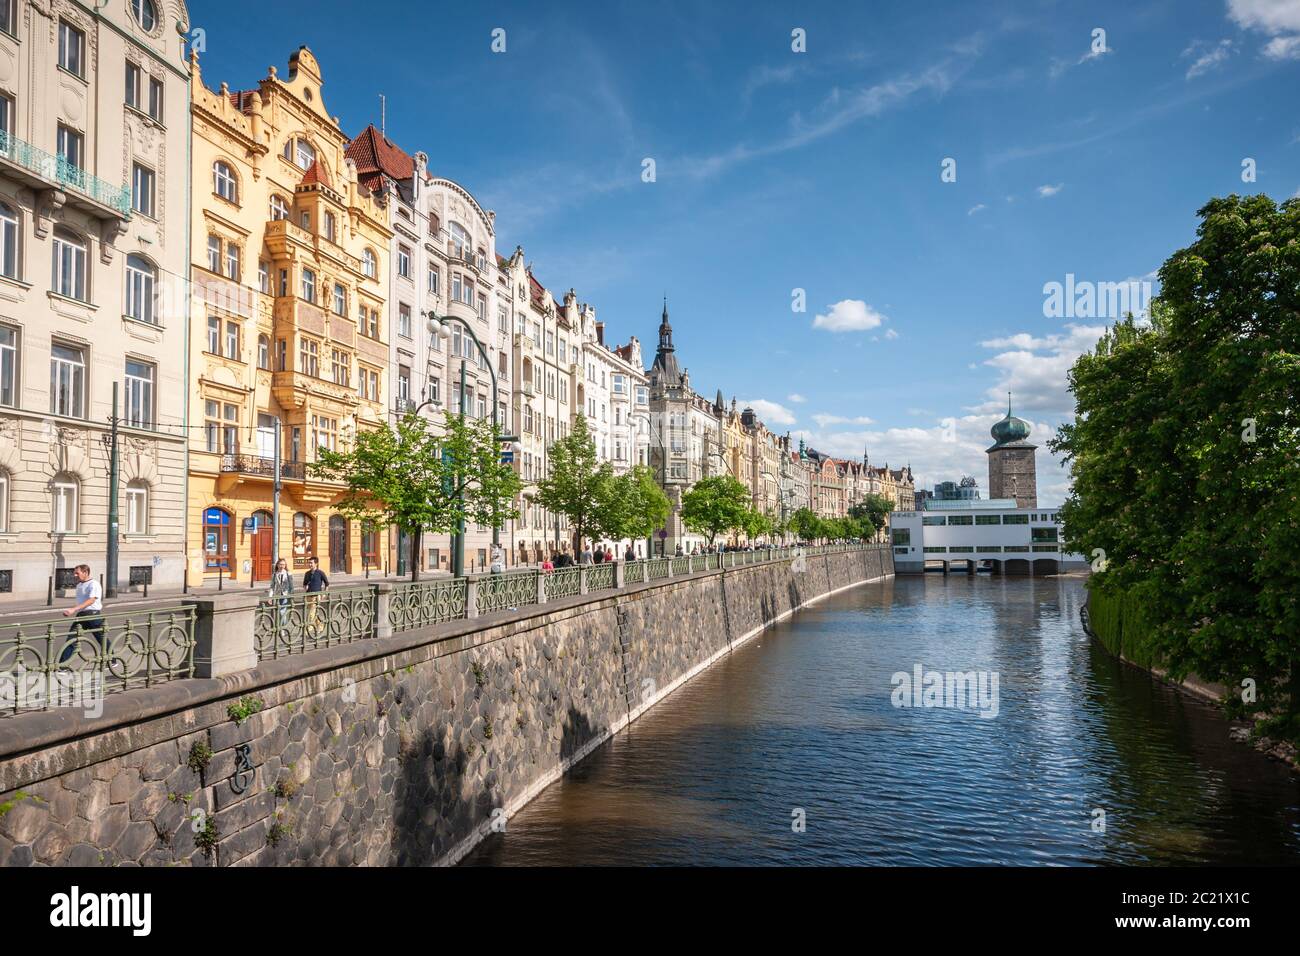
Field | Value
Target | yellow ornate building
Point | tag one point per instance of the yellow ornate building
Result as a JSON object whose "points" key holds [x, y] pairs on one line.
{"points": [[289, 333]]}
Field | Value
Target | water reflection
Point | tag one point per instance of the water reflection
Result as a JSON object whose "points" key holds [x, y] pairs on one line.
{"points": [[800, 719]]}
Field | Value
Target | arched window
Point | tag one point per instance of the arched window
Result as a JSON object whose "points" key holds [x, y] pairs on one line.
{"points": [[263, 519], [223, 181], [458, 241], [146, 14], [263, 352], [300, 151], [8, 242], [370, 264], [4, 500], [69, 274], [141, 290], [137, 507], [279, 207], [65, 495], [304, 539], [216, 537]]}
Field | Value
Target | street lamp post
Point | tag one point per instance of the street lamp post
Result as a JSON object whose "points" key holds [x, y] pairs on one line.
{"points": [[440, 325]]}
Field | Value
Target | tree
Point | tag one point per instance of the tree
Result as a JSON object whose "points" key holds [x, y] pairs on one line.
{"points": [[805, 524], [716, 504], [1184, 446], [631, 506], [577, 483], [874, 510], [755, 524], [420, 481]]}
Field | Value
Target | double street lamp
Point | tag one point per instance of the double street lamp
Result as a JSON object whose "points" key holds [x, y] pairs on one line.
{"points": [[440, 325]]}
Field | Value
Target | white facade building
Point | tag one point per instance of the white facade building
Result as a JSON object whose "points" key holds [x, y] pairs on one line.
{"points": [[970, 532]]}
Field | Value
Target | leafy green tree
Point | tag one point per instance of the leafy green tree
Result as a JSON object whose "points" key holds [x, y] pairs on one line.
{"points": [[1184, 454], [755, 524], [874, 510], [805, 525], [420, 481], [715, 505], [632, 506], [577, 483]]}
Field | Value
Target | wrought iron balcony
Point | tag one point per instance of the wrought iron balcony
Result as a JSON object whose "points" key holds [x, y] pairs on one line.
{"points": [[265, 467], [57, 170]]}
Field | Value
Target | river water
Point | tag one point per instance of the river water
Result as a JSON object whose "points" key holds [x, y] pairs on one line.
{"points": [[791, 751]]}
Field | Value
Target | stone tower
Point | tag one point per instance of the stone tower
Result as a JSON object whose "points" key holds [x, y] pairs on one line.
{"points": [[1012, 470]]}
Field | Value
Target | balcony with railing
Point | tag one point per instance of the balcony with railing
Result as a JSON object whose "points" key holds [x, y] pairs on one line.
{"points": [[259, 467], [42, 170]]}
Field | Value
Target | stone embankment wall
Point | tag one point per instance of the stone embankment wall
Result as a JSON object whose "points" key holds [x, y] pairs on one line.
{"points": [[402, 750]]}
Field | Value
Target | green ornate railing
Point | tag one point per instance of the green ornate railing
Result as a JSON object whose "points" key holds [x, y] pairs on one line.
{"points": [[74, 661], [58, 170], [600, 577], [634, 572], [299, 623], [496, 592], [563, 582], [656, 568], [681, 565], [420, 603]]}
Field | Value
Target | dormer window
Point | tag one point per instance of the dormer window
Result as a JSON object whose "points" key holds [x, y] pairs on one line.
{"points": [[300, 151]]}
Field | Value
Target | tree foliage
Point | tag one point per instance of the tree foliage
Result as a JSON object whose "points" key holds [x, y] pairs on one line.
{"points": [[631, 506], [1185, 452], [716, 505], [873, 510], [577, 483], [409, 476]]}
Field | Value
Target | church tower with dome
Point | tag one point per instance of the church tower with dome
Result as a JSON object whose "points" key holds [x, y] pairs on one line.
{"points": [[1012, 471]]}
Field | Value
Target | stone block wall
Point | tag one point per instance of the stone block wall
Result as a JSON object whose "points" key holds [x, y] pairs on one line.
{"points": [[394, 751]]}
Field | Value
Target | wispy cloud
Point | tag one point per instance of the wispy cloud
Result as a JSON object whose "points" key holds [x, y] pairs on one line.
{"points": [[771, 412], [978, 207], [1045, 191], [796, 398], [824, 419], [1207, 58], [1059, 66]]}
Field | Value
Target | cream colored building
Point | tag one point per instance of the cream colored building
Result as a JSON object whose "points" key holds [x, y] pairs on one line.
{"points": [[94, 226]]}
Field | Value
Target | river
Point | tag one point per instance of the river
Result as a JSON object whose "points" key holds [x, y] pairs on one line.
{"points": [[791, 751]]}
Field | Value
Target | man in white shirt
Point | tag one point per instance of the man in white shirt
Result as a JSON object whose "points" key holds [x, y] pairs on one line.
{"points": [[89, 611]]}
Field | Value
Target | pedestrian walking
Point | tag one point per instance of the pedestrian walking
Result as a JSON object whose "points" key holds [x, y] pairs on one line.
{"points": [[88, 611], [314, 582], [281, 590]]}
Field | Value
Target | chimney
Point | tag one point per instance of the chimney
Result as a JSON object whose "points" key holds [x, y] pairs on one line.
{"points": [[600, 333]]}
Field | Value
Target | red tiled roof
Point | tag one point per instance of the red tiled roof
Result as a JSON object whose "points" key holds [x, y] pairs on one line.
{"points": [[377, 156], [242, 100], [316, 174]]}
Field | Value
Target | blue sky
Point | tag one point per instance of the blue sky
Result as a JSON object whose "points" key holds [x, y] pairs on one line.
{"points": [[821, 171]]}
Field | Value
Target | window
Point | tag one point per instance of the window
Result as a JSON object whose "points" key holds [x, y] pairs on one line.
{"points": [[960, 519], [324, 432], [340, 299], [403, 384], [214, 254], [155, 99], [137, 507], [309, 285], [309, 358], [145, 13], [64, 492], [368, 384], [305, 154], [620, 385], [482, 306], [9, 17], [458, 241], [223, 181], [216, 537], [404, 262], [8, 240], [8, 366], [4, 501], [404, 320], [435, 390], [263, 352], [340, 366], [67, 380], [232, 261], [369, 264], [373, 326], [264, 276], [279, 208], [141, 298], [433, 281], [304, 533], [142, 190], [330, 228], [214, 335], [70, 145], [1043, 534], [1015, 519], [72, 49], [220, 426], [642, 395], [232, 340], [988, 519], [132, 85]]}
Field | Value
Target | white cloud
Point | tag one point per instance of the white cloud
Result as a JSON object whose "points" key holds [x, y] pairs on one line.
{"points": [[1046, 191], [1207, 58], [1279, 19], [890, 334], [823, 420], [849, 315], [979, 207], [770, 412], [796, 398], [1060, 66]]}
